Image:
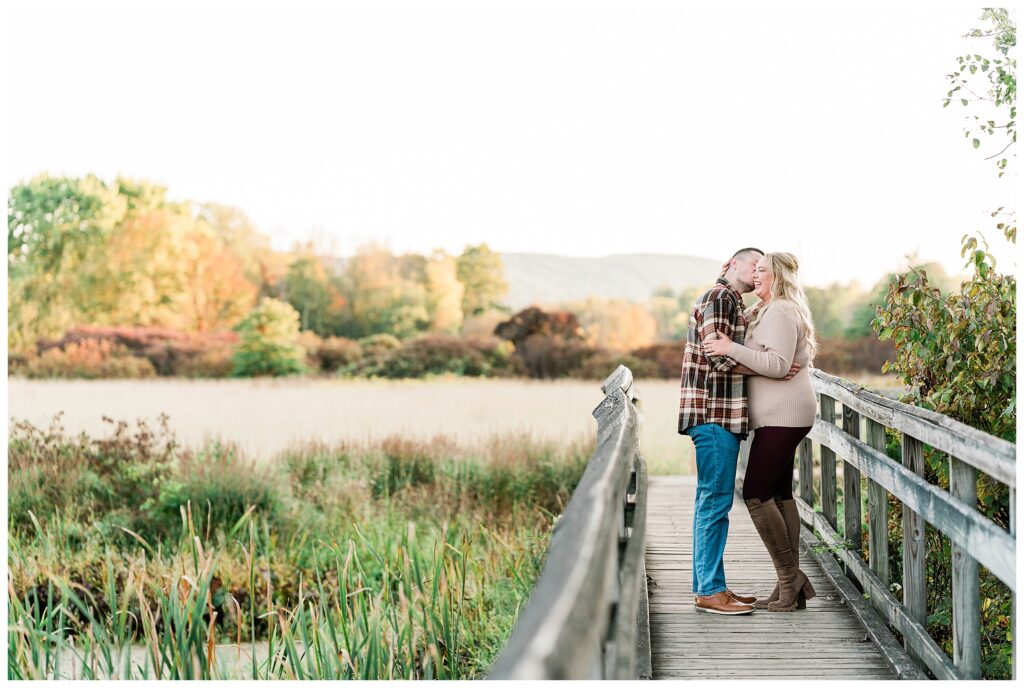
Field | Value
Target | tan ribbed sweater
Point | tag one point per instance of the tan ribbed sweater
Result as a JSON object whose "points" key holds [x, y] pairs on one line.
{"points": [[769, 349]]}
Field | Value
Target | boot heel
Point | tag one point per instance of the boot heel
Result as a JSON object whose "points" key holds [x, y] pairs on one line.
{"points": [[807, 591]]}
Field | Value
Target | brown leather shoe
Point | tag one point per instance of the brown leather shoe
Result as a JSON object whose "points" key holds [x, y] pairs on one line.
{"points": [[744, 599], [720, 603]]}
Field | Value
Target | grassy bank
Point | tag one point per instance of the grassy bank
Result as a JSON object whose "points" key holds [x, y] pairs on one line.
{"points": [[386, 559]]}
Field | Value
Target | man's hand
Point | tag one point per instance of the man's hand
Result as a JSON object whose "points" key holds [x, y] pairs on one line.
{"points": [[793, 370]]}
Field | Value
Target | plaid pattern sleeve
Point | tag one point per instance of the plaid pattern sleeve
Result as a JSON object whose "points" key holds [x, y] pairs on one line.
{"points": [[719, 316], [709, 392]]}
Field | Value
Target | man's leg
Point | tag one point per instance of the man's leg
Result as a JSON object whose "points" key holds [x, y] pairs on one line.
{"points": [[722, 451], [717, 450]]}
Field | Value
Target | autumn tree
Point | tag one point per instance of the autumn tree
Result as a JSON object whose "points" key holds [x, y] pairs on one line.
{"points": [[378, 298], [614, 324], [483, 275], [313, 292], [54, 225], [444, 293], [260, 263]]}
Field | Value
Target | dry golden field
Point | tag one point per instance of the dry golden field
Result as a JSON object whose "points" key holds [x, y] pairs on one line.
{"points": [[264, 416]]}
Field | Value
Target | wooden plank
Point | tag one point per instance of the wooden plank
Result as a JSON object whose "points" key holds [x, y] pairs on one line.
{"points": [[963, 484], [685, 643], [806, 470], [991, 455], [896, 657], [632, 634], [828, 465], [892, 611], [915, 573], [851, 484], [1013, 598], [984, 540], [878, 511]]}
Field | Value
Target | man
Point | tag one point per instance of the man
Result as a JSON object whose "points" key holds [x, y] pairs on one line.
{"points": [[713, 413]]}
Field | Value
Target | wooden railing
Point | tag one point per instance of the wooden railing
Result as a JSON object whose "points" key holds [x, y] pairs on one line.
{"points": [[975, 539], [587, 616]]}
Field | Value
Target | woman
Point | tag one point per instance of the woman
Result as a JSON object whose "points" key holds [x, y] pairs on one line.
{"points": [[779, 332]]}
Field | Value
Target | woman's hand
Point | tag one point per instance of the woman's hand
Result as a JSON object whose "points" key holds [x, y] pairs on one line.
{"points": [[716, 344]]}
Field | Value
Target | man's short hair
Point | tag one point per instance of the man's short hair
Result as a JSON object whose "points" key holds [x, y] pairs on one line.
{"points": [[744, 251]]}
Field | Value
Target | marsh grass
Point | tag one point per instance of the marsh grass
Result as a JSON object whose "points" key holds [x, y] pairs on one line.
{"points": [[132, 557]]}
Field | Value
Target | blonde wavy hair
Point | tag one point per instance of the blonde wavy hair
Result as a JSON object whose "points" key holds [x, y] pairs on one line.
{"points": [[785, 287]]}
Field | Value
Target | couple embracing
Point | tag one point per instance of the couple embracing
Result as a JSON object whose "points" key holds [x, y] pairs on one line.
{"points": [[748, 370]]}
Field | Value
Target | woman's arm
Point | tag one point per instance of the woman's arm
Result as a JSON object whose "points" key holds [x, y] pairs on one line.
{"points": [[777, 331], [741, 369]]}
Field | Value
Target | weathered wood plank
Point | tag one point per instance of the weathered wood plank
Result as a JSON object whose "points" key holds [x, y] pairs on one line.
{"points": [[851, 484], [915, 574], [878, 511], [893, 612], [963, 484], [633, 649], [991, 455], [806, 460], [983, 539], [828, 465], [895, 656], [567, 628], [688, 644]]}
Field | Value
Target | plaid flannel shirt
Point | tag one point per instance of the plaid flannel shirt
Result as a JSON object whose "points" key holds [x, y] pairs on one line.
{"points": [[709, 392]]}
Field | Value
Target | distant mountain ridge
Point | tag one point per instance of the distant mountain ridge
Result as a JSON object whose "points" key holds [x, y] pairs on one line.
{"points": [[543, 279]]}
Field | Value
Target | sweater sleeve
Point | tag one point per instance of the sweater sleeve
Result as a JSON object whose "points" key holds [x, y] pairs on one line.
{"points": [[778, 332]]}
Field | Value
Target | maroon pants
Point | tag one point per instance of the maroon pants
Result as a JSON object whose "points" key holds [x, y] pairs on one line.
{"points": [[770, 463]]}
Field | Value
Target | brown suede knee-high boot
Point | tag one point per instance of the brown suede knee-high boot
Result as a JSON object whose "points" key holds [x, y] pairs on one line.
{"points": [[790, 514], [771, 526], [794, 544]]}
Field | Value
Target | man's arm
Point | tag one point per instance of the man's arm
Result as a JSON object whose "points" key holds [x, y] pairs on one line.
{"points": [[719, 317]]}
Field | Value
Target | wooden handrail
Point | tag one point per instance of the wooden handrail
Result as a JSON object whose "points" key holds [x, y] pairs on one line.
{"points": [[975, 539], [991, 455], [587, 615]]}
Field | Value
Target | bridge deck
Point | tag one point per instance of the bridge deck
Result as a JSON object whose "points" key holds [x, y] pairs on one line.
{"points": [[823, 641]]}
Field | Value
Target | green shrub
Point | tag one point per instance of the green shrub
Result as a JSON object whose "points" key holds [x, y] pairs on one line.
{"points": [[957, 354], [436, 354], [269, 341], [377, 345], [601, 363], [218, 487], [337, 352]]}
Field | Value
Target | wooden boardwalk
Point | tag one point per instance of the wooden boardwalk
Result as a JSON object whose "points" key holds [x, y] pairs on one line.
{"points": [[826, 640]]}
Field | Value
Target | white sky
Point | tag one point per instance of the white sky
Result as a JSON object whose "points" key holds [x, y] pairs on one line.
{"points": [[578, 129]]}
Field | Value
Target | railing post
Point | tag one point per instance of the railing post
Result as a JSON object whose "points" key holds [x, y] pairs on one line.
{"points": [[851, 486], [915, 574], [1013, 598], [828, 465], [806, 472], [878, 512], [963, 484]]}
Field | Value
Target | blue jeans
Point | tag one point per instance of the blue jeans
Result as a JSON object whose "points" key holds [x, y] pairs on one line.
{"points": [[717, 452]]}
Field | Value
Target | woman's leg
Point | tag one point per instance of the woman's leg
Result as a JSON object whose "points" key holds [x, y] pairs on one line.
{"points": [[767, 492]]}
